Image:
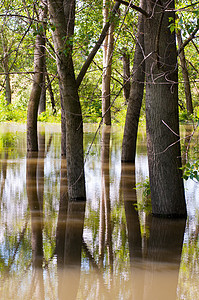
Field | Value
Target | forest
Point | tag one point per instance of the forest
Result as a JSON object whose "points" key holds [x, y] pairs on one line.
{"points": [[106, 62]]}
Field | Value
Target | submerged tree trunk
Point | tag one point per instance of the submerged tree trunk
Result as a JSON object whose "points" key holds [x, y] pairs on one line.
{"points": [[135, 98], [164, 156], [185, 75], [39, 67], [62, 14], [107, 64]]}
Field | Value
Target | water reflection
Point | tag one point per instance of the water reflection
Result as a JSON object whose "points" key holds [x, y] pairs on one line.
{"points": [[68, 233], [68, 248], [105, 249], [105, 239], [155, 260], [36, 210]]}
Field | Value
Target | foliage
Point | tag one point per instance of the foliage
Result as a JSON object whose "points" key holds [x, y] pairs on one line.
{"points": [[19, 36], [12, 112], [145, 204], [185, 117], [191, 170], [48, 116]]}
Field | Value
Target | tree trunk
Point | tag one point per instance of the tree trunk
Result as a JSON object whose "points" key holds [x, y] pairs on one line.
{"points": [[185, 75], [52, 99], [62, 14], [42, 101], [63, 130], [39, 66], [6, 69], [126, 75], [164, 157], [107, 64], [135, 98]]}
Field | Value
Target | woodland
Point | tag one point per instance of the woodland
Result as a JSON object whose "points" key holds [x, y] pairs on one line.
{"points": [[106, 62]]}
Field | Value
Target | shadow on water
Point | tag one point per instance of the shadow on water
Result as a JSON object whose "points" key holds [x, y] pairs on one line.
{"points": [[155, 260]]}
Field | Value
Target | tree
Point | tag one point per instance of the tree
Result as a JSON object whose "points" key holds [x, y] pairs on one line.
{"points": [[39, 68], [185, 74], [135, 97], [164, 157], [162, 104], [5, 63], [126, 74], [62, 15], [107, 64]]}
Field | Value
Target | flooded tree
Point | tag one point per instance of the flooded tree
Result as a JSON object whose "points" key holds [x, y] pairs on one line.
{"points": [[62, 15], [162, 122], [39, 68], [158, 49], [107, 66], [135, 96]]}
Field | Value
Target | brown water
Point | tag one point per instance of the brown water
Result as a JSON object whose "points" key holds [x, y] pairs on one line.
{"points": [[101, 249]]}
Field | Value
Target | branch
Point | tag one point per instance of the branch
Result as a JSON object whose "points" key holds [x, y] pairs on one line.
{"points": [[182, 8], [189, 39], [96, 47], [20, 16], [139, 9], [195, 46]]}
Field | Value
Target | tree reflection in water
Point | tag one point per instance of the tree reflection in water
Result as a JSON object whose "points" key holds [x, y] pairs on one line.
{"points": [[35, 190], [160, 254], [43, 254], [105, 239], [68, 235], [69, 241]]}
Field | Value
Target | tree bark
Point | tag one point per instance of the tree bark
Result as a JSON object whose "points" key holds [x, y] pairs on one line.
{"points": [[164, 156], [135, 98], [126, 75], [185, 75], [62, 14], [39, 67]]}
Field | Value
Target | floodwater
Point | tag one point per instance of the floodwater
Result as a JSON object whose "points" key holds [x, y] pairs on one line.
{"points": [[105, 248]]}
